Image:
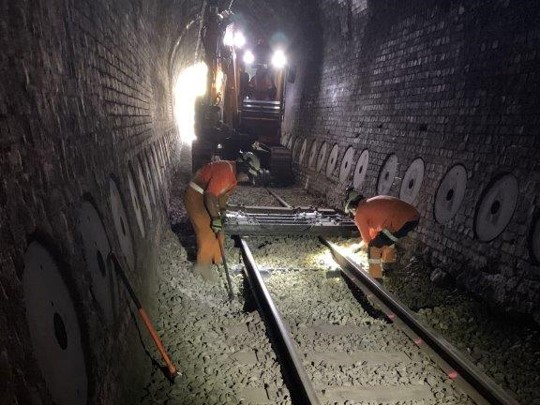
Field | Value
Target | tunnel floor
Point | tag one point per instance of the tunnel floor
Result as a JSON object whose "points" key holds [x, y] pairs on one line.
{"points": [[212, 339]]}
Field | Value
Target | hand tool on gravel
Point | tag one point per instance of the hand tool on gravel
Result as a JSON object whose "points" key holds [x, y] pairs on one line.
{"points": [[231, 294], [171, 370]]}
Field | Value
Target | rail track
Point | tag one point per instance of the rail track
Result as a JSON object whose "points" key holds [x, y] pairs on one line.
{"points": [[335, 350]]}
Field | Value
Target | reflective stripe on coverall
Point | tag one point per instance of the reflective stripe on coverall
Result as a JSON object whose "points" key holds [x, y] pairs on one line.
{"points": [[382, 220], [219, 179]]}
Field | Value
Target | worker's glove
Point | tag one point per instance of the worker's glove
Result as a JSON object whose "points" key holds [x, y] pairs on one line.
{"points": [[217, 225]]}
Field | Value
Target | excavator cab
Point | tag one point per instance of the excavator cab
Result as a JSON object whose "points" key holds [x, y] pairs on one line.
{"points": [[245, 103]]}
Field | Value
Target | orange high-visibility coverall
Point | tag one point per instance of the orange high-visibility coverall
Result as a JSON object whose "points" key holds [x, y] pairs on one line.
{"points": [[219, 179], [382, 212], [382, 220]]}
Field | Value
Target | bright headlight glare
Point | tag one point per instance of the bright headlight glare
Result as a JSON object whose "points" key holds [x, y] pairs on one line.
{"points": [[249, 58], [239, 40], [279, 59], [228, 38]]}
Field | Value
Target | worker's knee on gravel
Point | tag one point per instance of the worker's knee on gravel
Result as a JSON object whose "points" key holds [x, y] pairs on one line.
{"points": [[388, 254]]}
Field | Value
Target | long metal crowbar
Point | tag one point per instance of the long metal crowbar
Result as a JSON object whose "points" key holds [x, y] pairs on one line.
{"points": [[221, 233]]}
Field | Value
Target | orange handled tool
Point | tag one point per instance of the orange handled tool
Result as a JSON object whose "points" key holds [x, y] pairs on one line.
{"points": [[231, 294], [172, 370]]}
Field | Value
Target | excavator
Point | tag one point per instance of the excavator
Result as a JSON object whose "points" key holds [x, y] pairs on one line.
{"points": [[244, 105]]}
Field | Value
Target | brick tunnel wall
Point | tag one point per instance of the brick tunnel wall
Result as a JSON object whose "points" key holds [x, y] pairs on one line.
{"points": [[88, 145], [452, 83]]}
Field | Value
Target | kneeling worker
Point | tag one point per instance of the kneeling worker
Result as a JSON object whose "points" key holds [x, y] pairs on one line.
{"points": [[205, 198], [381, 220]]}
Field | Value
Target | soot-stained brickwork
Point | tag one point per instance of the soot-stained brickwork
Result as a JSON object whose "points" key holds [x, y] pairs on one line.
{"points": [[85, 106], [451, 83]]}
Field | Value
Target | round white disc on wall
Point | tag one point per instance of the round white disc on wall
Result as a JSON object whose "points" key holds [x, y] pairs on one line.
{"points": [[321, 156], [450, 194], [54, 328], [346, 165], [313, 155], [121, 224], [148, 175], [145, 190], [296, 148], [332, 161], [96, 251], [496, 208], [360, 170], [303, 151], [387, 175], [412, 182], [134, 196]]}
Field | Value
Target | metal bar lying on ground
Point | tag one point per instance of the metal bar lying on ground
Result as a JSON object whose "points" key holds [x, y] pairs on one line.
{"points": [[262, 221], [281, 200], [477, 385], [299, 384]]}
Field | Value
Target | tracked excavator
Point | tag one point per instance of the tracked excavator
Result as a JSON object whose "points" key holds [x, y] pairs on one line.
{"points": [[244, 105]]}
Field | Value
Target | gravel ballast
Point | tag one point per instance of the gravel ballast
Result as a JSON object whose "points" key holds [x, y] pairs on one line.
{"points": [[225, 353]]}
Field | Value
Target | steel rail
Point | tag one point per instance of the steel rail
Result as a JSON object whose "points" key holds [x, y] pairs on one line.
{"points": [[481, 388], [281, 200], [300, 387]]}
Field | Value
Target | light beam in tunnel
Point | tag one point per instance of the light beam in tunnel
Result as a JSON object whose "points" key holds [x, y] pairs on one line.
{"points": [[190, 85]]}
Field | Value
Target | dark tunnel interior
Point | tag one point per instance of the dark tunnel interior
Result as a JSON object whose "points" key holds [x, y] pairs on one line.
{"points": [[109, 107]]}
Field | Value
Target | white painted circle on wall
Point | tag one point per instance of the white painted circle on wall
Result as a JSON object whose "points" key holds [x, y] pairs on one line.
{"points": [[387, 175], [346, 165], [535, 240], [313, 155], [412, 181], [155, 168], [332, 161], [154, 173], [496, 208], [296, 148], [284, 139], [159, 150], [303, 151], [144, 189], [361, 169], [158, 164], [54, 328], [121, 224], [450, 194], [290, 141], [148, 175], [166, 151], [96, 251], [321, 156], [135, 202]]}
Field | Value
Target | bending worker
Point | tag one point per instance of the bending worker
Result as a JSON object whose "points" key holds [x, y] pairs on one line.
{"points": [[206, 197], [381, 220]]}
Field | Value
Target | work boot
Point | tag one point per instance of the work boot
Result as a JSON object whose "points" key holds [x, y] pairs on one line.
{"points": [[374, 260], [389, 254]]}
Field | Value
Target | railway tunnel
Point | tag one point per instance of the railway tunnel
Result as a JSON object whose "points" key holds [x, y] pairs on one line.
{"points": [[433, 102]]}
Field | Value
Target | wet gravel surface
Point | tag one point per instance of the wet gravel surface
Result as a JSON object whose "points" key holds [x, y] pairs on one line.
{"points": [[227, 358]]}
